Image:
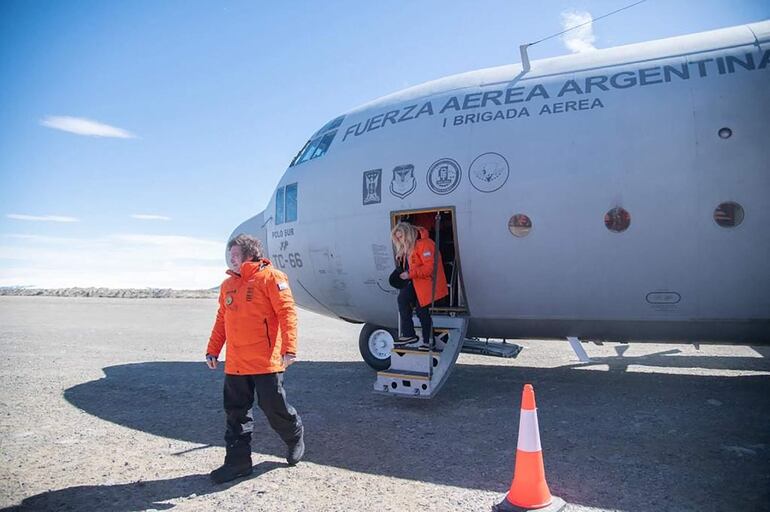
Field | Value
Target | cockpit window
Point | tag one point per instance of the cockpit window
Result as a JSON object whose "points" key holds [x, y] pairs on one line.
{"points": [[319, 144], [323, 146], [308, 152]]}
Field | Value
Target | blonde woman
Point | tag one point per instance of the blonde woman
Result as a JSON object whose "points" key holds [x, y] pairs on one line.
{"points": [[415, 253]]}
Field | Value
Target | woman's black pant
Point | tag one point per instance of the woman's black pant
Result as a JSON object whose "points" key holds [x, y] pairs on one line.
{"points": [[239, 393], [406, 299]]}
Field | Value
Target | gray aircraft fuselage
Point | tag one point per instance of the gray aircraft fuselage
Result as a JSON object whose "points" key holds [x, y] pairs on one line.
{"points": [[667, 130]]}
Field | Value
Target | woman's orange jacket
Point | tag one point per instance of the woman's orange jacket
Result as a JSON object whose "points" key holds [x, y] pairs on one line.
{"points": [[421, 269], [256, 318]]}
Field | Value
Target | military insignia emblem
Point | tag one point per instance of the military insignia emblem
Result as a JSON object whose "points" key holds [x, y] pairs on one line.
{"points": [[444, 176], [488, 172], [403, 182], [372, 186], [229, 300]]}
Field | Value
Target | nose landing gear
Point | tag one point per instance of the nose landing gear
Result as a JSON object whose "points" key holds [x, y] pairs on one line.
{"points": [[376, 345]]}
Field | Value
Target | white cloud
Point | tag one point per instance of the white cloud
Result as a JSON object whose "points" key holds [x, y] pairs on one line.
{"points": [[41, 218], [114, 261], [81, 126], [581, 39], [147, 216]]}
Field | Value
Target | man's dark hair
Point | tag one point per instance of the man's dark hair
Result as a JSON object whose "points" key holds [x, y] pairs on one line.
{"points": [[250, 246]]}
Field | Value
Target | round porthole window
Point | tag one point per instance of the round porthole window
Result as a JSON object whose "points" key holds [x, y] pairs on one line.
{"points": [[617, 220], [725, 133], [519, 225], [729, 214]]}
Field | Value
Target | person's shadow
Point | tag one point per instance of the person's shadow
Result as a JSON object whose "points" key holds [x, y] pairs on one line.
{"points": [[141, 495]]}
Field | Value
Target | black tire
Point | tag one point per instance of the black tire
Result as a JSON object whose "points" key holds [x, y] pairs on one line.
{"points": [[374, 360]]}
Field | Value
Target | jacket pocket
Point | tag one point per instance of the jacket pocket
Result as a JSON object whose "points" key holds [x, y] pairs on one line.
{"points": [[267, 334]]}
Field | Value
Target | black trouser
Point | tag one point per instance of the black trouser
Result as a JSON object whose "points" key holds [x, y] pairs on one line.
{"points": [[406, 298], [271, 398]]}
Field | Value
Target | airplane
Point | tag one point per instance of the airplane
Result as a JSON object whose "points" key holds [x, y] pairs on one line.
{"points": [[617, 195]]}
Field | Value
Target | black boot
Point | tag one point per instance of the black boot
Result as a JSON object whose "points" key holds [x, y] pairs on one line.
{"points": [[227, 472], [237, 462], [296, 450]]}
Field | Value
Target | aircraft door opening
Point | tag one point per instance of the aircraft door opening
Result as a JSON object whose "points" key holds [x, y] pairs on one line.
{"points": [[440, 224]]}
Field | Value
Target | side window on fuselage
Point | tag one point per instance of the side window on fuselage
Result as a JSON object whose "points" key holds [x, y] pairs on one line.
{"points": [[291, 202], [279, 206], [286, 204]]}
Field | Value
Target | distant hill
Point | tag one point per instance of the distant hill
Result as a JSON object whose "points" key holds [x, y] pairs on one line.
{"points": [[120, 293]]}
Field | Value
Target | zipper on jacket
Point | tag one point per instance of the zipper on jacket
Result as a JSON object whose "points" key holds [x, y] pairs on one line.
{"points": [[267, 334]]}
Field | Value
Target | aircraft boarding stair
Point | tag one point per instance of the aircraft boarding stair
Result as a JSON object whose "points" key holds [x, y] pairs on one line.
{"points": [[421, 372]]}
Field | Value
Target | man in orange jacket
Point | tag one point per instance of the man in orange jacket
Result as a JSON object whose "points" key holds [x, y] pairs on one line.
{"points": [[257, 320]]}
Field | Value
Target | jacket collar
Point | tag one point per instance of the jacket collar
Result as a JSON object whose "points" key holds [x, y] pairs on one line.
{"points": [[250, 268]]}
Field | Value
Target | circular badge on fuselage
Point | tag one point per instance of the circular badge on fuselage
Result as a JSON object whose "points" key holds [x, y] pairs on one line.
{"points": [[488, 172], [444, 176]]}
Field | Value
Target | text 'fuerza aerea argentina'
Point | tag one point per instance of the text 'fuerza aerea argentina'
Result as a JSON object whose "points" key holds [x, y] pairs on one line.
{"points": [[570, 94]]}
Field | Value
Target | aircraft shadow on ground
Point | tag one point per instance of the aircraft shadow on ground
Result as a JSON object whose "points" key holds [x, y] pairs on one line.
{"points": [[611, 439]]}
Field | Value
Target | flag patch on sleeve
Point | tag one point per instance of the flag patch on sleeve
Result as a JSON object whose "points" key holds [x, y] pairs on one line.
{"points": [[283, 286], [426, 254]]}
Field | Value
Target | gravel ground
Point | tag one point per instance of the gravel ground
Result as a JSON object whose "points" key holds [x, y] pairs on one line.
{"points": [[107, 405]]}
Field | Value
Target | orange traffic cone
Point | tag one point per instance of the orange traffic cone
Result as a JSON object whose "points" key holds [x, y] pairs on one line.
{"points": [[529, 489]]}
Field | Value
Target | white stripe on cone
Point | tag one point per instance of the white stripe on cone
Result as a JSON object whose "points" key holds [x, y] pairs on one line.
{"points": [[529, 433]]}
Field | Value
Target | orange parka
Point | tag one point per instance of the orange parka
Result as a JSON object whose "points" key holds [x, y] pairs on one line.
{"points": [[256, 318], [421, 268]]}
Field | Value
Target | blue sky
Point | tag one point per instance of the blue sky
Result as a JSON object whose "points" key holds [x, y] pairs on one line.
{"points": [[134, 136]]}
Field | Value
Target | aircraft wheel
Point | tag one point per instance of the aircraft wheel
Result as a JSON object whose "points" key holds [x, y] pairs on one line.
{"points": [[376, 344]]}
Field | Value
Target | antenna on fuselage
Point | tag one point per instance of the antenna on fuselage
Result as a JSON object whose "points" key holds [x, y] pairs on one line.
{"points": [[523, 48], [524, 57]]}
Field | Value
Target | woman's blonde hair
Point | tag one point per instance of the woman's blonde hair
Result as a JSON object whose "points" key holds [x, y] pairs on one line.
{"points": [[406, 246]]}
